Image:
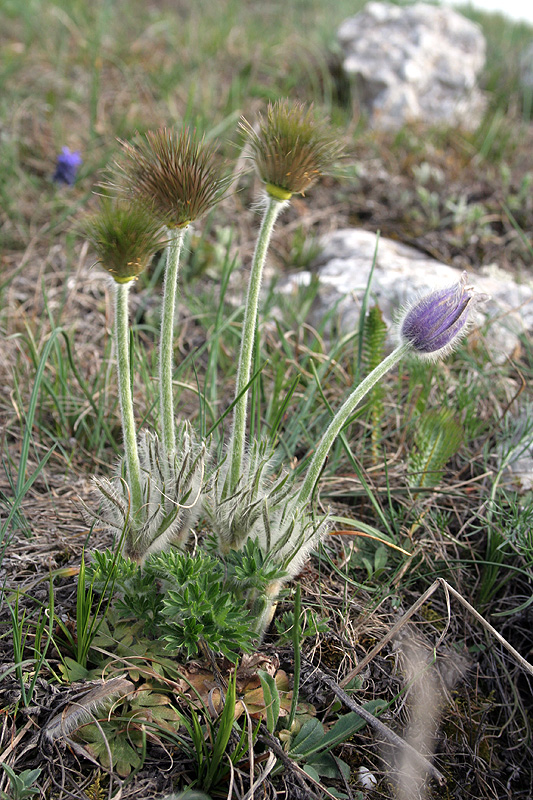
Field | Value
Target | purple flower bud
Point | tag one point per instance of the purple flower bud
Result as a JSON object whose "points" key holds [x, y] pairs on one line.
{"points": [[67, 166], [434, 324]]}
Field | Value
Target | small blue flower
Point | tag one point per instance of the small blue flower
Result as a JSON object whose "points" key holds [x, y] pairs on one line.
{"points": [[67, 166], [434, 324]]}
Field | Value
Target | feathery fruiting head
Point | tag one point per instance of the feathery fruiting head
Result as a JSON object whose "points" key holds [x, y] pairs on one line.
{"points": [[67, 166], [125, 236], [291, 149], [433, 325], [175, 171]]}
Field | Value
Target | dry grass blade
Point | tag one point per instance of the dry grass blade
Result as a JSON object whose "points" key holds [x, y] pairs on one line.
{"points": [[299, 774], [271, 763], [416, 605]]}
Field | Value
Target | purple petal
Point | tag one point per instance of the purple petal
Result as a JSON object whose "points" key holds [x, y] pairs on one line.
{"points": [[437, 320], [67, 165]]}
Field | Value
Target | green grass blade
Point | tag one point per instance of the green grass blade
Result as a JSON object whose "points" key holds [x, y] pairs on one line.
{"points": [[25, 449]]}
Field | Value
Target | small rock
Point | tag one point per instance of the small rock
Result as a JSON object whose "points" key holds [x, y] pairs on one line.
{"points": [[366, 779], [420, 62]]}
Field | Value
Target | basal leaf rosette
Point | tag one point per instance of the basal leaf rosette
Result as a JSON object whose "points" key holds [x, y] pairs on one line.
{"points": [[429, 328]]}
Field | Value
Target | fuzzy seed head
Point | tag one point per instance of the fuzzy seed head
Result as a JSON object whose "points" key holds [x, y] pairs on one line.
{"points": [[174, 171], [292, 149], [125, 236]]}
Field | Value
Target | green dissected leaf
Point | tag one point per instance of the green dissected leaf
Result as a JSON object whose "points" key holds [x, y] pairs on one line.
{"points": [[125, 756], [156, 707], [114, 632], [272, 699], [313, 625], [205, 611], [105, 638], [249, 568], [146, 659], [157, 710]]}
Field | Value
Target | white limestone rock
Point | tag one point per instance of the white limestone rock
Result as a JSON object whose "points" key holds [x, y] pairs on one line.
{"points": [[420, 62]]}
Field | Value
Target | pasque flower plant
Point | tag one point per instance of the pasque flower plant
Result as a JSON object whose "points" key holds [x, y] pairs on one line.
{"points": [[255, 509], [176, 173], [290, 151], [172, 176], [153, 502], [430, 328], [125, 238], [280, 518]]}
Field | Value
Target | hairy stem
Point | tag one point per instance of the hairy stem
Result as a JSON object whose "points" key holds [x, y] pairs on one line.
{"points": [[166, 342], [122, 339], [238, 439], [339, 420]]}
